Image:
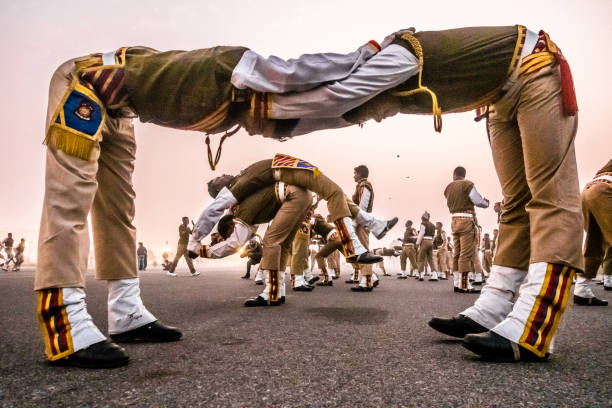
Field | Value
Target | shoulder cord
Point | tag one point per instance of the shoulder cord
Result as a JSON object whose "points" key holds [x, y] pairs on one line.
{"points": [[213, 164], [437, 112]]}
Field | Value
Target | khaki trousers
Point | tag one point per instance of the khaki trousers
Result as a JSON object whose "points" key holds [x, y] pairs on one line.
{"points": [[323, 186], [333, 260], [300, 252], [74, 188], [408, 253], [476, 264], [464, 238], [425, 255], [487, 259], [279, 236], [363, 233], [442, 260], [181, 251], [597, 210], [532, 142], [434, 258], [328, 251]]}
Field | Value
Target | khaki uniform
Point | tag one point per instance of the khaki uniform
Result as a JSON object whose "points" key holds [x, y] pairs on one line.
{"points": [[300, 249], [181, 249], [463, 226], [425, 253], [487, 254], [441, 252], [363, 233], [409, 250], [597, 210]]}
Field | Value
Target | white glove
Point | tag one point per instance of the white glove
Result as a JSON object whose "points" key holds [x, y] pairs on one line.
{"points": [[389, 39]]}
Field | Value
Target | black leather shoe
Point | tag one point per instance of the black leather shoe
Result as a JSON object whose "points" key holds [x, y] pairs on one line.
{"points": [[99, 355], [303, 288], [607, 287], [256, 301], [390, 224], [259, 282], [365, 258], [471, 290], [375, 283], [362, 289], [582, 301], [328, 283], [152, 332], [477, 283], [402, 277], [457, 326], [351, 281], [491, 346], [246, 277], [313, 280]]}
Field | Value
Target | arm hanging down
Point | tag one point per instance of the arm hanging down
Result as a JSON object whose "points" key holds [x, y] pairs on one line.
{"points": [[239, 237], [209, 218]]}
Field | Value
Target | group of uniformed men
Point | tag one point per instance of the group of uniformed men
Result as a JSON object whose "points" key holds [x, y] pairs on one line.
{"points": [[518, 78], [16, 258]]}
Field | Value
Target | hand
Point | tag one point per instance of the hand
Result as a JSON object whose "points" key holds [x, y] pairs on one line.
{"points": [[389, 39]]}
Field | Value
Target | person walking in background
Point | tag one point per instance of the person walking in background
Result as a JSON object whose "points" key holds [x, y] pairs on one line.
{"points": [[181, 249]]}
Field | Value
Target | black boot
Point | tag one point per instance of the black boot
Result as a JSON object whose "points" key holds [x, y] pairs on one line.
{"points": [[99, 355], [457, 326], [491, 346]]}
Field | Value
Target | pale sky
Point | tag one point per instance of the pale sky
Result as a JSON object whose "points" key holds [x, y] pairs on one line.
{"points": [[171, 166]]}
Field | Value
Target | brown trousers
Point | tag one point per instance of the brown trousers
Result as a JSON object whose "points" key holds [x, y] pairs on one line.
{"points": [[323, 186], [74, 188], [443, 265], [425, 255], [408, 253], [532, 142], [277, 240], [181, 251], [597, 210], [487, 260], [464, 238], [300, 252], [327, 251]]}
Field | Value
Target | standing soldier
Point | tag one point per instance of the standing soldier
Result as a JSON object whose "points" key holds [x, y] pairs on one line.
{"points": [[425, 245], [409, 252], [19, 250], [461, 197], [364, 198], [142, 257], [181, 249], [597, 210], [487, 253], [7, 243], [441, 243]]}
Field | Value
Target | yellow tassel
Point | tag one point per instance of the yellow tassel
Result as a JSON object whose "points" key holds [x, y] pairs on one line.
{"points": [[436, 110], [317, 172], [71, 143]]}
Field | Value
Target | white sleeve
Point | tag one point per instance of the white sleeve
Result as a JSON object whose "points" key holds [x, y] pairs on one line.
{"points": [[387, 69], [477, 199], [211, 214], [421, 234], [276, 75], [364, 200], [241, 235]]}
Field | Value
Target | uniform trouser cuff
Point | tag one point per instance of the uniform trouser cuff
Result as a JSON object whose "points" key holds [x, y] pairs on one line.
{"points": [[66, 325], [535, 317], [125, 308]]}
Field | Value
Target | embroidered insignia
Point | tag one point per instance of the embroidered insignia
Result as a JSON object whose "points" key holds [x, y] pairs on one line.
{"points": [[85, 110], [284, 161]]}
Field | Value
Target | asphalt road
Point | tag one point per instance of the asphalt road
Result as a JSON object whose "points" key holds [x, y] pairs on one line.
{"points": [[328, 348]]}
